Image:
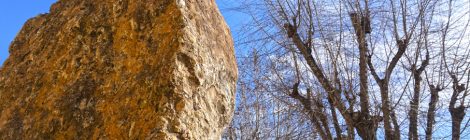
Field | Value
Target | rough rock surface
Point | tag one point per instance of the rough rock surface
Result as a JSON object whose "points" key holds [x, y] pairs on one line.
{"points": [[120, 69]]}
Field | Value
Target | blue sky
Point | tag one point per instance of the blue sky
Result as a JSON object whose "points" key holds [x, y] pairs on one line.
{"points": [[14, 13]]}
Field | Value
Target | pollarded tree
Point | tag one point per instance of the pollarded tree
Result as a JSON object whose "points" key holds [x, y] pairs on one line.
{"points": [[344, 64]]}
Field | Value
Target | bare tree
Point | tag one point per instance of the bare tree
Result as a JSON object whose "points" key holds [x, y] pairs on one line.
{"points": [[342, 67], [453, 52]]}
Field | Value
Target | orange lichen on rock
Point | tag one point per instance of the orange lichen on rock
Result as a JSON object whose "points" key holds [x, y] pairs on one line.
{"points": [[120, 69]]}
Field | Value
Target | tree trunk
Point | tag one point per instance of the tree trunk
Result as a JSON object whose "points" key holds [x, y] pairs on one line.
{"points": [[432, 111], [365, 124], [414, 106], [386, 112], [414, 103], [457, 117], [457, 113], [333, 93], [390, 133]]}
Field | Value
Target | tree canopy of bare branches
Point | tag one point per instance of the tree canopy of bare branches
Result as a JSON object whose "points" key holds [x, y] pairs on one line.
{"points": [[350, 69]]}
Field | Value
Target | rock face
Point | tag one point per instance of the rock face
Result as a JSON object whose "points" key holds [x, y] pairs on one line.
{"points": [[120, 69]]}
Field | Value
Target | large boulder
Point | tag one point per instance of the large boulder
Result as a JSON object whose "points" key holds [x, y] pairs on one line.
{"points": [[120, 69]]}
